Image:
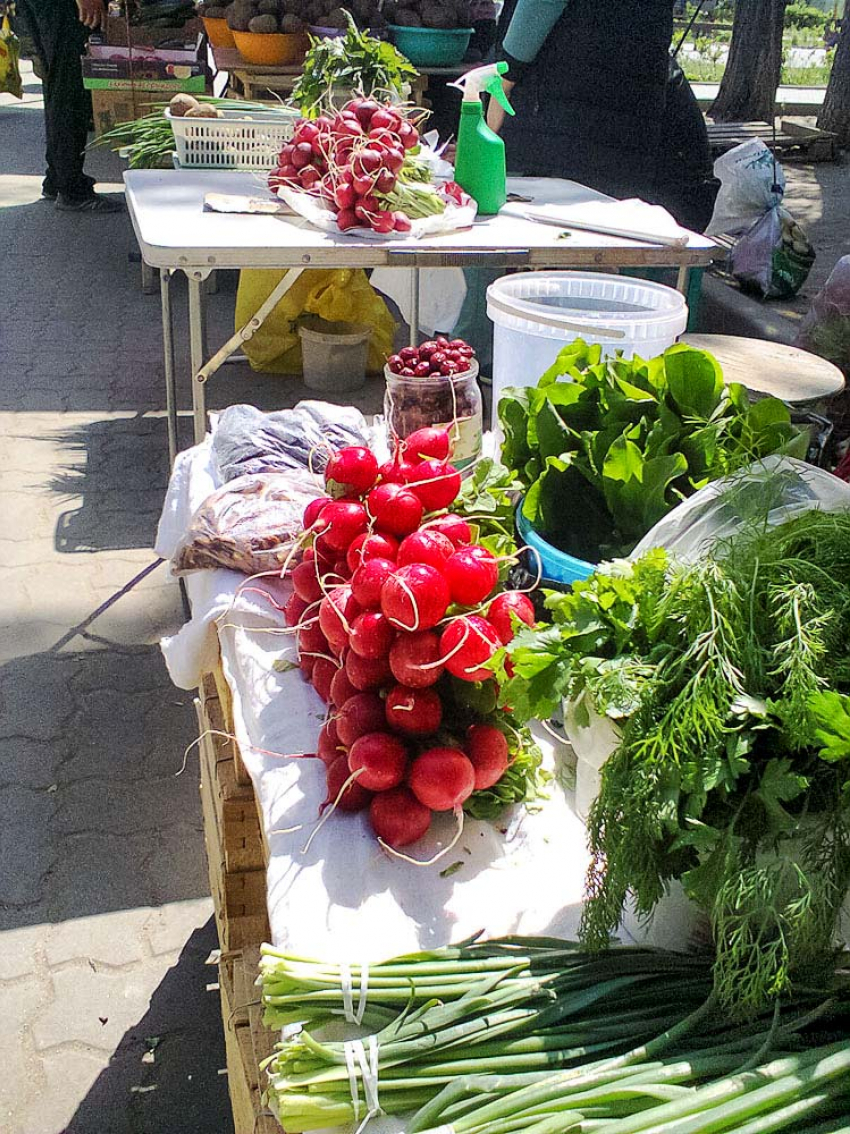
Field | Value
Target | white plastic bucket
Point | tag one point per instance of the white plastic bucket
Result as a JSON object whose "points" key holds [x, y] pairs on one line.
{"points": [[534, 314], [334, 355]]}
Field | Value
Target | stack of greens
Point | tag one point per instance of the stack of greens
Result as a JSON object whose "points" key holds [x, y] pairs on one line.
{"points": [[730, 678], [607, 447], [530, 1034]]}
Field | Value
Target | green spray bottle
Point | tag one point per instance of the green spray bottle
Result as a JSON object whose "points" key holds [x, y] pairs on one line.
{"points": [[480, 161]]}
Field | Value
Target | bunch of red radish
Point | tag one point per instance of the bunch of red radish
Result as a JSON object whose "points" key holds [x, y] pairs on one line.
{"points": [[351, 161], [390, 595]]}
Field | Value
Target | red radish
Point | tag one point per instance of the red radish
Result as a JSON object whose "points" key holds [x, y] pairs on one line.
{"points": [[341, 688], [314, 510], [341, 521], [398, 818], [351, 471], [455, 527], [359, 715], [368, 579], [294, 608], [367, 673], [500, 610], [442, 778], [415, 597], [311, 639], [329, 748], [344, 195], [466, 643], [401, 222], [437, 484], [487, 750], [412, 658], [383, 758], [394, 509], [336, 613], [354, 798], [384, 118], [305, 664], [427, 442], [346, 219], [341, 571], [322, 676], [472, 573], [374, 545], [425, 546], [414, 711], [326, 555], [371, 635], [365, 109], [306, 582]]}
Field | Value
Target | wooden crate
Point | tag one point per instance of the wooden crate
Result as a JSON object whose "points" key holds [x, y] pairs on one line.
{"points": [[239, 896], [247, 1042], [791, 140]]}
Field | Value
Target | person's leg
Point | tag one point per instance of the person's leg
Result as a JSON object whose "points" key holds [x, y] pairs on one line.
{"points": [[60, 40]]}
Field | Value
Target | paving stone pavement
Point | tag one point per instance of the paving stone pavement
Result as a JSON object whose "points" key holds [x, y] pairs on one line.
{"points": [[106, 1024]]}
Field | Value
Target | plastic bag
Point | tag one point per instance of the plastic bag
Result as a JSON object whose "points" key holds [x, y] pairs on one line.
{"points": [[248, 525], [340, 295], [248, 441], [751, 182], [826, 328], [772, 255], [460, 212], [10, 55], [771, 491]]}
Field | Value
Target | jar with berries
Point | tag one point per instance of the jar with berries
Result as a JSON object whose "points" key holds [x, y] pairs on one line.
{"points": [[436, 384]]}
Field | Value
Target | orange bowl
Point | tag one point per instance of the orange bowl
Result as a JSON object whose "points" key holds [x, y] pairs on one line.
{"points": [[271, 50], [218, 33]]}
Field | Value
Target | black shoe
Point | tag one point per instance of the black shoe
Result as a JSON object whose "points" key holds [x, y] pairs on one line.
{"points": [[49, 194], [92, 204]]}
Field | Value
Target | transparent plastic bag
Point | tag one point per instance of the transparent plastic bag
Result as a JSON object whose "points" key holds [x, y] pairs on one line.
{"points": [[825, 330], [771, 491], [751, 183], [249, 524], [774, 257]]}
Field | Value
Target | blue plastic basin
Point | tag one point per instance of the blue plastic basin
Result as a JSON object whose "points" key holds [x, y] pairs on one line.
{"points": [[431, 47], [556, 566]]}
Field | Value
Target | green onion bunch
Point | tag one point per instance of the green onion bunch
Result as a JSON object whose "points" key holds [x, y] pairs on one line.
{"points": [[532, 1034]]}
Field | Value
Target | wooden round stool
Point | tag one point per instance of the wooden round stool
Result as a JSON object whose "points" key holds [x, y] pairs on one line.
{"points": [[766, 368]]}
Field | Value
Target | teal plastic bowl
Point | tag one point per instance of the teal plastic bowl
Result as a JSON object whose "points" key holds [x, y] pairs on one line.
{"points": [[431, 47], [556, 566]]}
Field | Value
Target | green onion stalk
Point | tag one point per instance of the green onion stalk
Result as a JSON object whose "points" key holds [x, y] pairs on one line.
{"points": [[526, 1034]]}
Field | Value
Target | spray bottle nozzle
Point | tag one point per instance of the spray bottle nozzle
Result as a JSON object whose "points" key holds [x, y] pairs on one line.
{"points": [[487, 79]]}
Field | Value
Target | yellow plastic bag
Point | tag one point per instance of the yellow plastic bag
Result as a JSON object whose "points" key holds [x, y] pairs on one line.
{"points": [[340, 295], [10, 54]]}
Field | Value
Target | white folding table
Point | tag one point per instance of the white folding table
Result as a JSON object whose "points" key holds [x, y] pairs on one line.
{"points": [[176, 234]]}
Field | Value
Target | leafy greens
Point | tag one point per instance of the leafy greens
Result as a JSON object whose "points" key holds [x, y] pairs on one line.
{"points": [[606, 447], [730, 681]]}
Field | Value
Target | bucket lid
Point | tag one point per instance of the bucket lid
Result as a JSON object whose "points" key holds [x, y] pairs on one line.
{"points": [[319, 330]]}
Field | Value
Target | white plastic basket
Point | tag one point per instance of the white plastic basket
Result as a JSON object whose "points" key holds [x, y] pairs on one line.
{"points": [[236, 141]]}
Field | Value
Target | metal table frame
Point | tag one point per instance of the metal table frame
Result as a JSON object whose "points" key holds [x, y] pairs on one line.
{"points": [[318, 251]]}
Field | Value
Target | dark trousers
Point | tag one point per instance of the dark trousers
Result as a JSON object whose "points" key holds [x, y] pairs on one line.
{"points": [[60, 40]]}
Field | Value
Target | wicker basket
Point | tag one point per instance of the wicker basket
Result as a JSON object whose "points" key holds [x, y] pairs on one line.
{"points": [[235, 141]]}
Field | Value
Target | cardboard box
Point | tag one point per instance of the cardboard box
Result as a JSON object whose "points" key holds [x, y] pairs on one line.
{"points": [[154, 74], [187, 53], [115, 33], [111, 108]]}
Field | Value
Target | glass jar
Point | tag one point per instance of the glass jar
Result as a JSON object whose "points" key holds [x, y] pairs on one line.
{"points": [[451, 402]]}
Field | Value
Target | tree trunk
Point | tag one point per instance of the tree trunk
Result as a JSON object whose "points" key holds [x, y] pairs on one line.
{"points": [[835, 113], [748, 90]]}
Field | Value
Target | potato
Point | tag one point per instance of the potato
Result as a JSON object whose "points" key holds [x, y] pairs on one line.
{"points": [[268, 7], [238, 17], [436, 16], [292, 24], [336, 19], [292, 7], [204, 110], [181, 104], [215, 13], [407, 18], [263, 25]]}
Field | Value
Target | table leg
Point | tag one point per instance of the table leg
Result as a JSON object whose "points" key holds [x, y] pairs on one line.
{"points": [[196, 352], [683, 280], [168, 349], [414, 307]]}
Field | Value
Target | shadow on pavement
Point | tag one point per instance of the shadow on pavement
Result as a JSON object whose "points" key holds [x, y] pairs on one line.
{"points": [[165, 1075]]}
